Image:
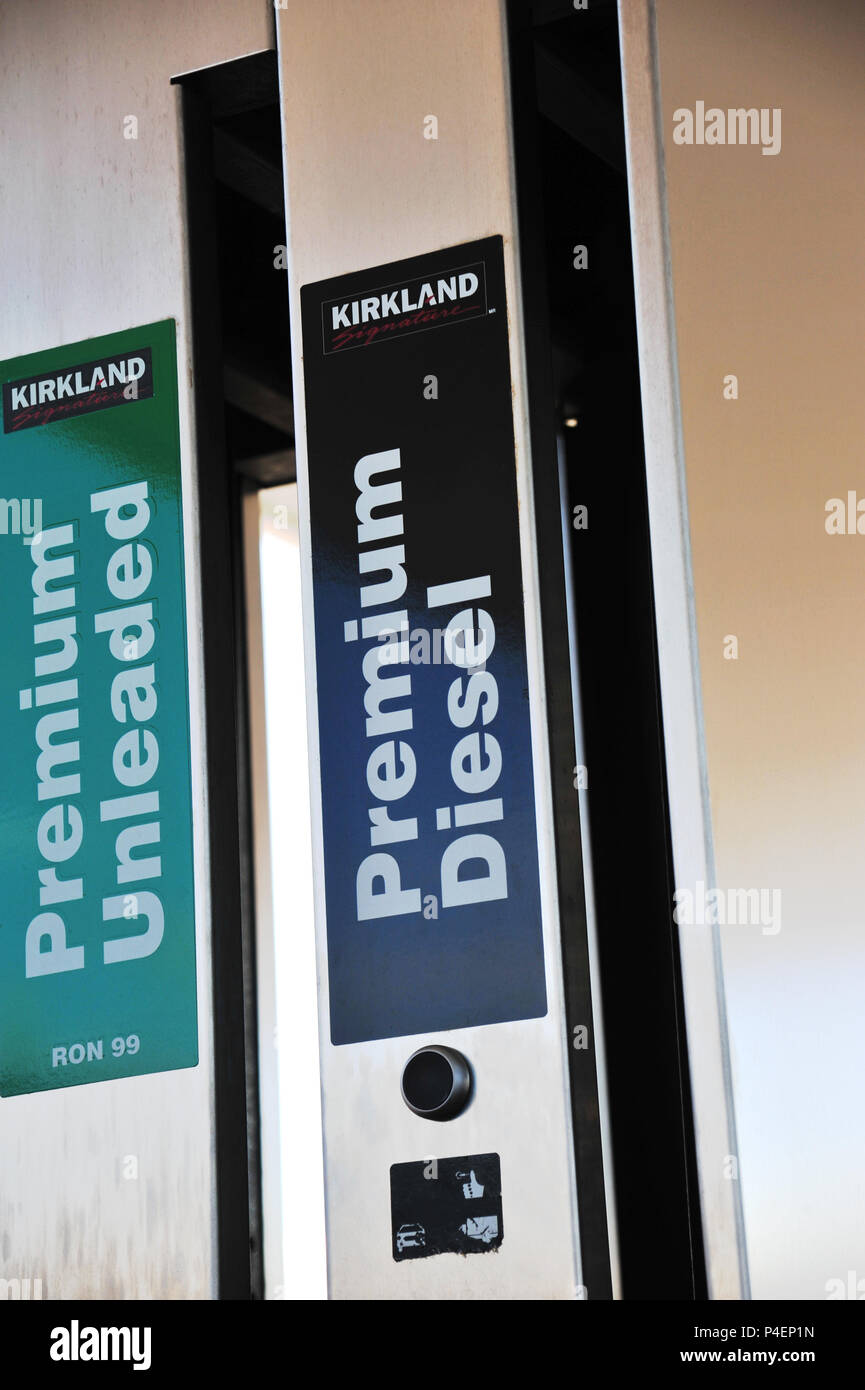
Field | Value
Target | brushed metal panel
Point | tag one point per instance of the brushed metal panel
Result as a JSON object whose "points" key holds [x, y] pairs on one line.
{"points": [[690, 815], [364, 188], [93, 240]]}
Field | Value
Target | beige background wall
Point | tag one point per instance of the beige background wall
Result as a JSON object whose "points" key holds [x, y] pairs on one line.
{"points": [[769, 283]]}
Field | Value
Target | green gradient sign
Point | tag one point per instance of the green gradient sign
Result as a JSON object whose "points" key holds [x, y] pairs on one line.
{"points": [[97, 926]]}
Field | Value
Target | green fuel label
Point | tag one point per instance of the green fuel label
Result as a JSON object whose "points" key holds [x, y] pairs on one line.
{"points": [[97, 921]]}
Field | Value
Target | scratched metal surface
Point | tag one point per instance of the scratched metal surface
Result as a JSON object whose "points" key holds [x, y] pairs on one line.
{"points": [[388, 194], [93, 240], [690, 816]]}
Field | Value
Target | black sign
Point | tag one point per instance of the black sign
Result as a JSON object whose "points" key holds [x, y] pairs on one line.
{"points": [[58, 395], [428, 810], [446, 1204]]}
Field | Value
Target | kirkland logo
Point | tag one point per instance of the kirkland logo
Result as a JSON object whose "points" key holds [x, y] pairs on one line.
{"points": [[53, 396], [410, 307]]}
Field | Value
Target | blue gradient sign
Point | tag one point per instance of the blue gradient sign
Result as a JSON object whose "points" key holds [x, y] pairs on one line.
{"points": [[430, 839]]}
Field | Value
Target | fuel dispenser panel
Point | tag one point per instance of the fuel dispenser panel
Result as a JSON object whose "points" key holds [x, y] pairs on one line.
{"points": [[441, 998]]}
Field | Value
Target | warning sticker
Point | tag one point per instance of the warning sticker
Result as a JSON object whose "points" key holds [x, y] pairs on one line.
{"points": [[442, 1205]]}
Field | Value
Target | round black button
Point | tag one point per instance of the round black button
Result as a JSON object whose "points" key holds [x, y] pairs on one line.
{"points": [[436, 1082]]}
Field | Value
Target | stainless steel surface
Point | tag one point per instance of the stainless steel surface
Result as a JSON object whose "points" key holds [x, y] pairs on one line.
{"points": [[363, 188], [690, 815], [107, 1191]]}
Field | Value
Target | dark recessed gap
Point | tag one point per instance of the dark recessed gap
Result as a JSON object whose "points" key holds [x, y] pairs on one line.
{"points": [[583, 366], [245, 440]]}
